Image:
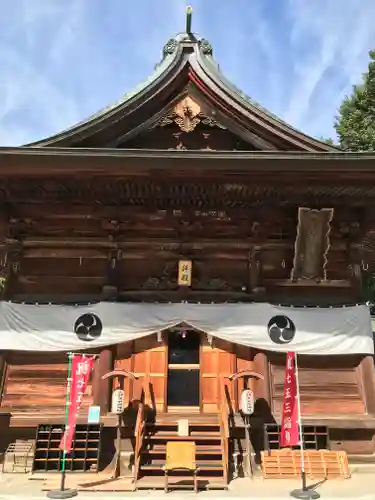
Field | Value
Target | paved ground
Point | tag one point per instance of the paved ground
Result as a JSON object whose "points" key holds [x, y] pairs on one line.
{"points": [[359, 487]]}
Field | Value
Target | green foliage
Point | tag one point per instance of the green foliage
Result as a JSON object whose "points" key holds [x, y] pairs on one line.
{"points": [[328, 141], [355, 124]]}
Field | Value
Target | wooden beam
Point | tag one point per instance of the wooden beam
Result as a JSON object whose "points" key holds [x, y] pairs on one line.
{"points": [[312, 283], [49, 242], [50, 279], [102, 388], [56, 298], [184, 294], [64, 253], [346, 421]]}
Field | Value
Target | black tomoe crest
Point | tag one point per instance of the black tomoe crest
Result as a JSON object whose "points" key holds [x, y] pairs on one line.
{"points": [[281, 329], [88, 327]]}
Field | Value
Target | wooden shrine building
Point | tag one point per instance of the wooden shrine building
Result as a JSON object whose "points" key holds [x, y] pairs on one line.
{"points": [[209, 237]]}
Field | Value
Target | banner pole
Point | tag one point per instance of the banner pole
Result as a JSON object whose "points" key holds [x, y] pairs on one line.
{"points": [[62, 492], [305, 493], [303, 475], [63, 462]]}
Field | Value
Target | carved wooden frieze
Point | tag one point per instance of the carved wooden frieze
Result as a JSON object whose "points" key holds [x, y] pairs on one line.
{"points": [[187, 115], [21, 227], [132, 191], [312, 244], [167, 280], [215, 285]]}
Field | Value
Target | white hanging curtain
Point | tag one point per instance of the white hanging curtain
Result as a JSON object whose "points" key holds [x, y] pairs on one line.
{"points": [[320, 331]]}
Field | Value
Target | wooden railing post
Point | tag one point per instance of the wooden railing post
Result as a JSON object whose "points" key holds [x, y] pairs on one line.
{"points": [[224, 427], [139, 434], [109, 376]]}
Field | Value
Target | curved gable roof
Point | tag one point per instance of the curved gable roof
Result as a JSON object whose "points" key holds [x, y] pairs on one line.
{"points": [[187, 61]]}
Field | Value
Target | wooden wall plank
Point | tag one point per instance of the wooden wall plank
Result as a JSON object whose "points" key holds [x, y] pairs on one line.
{"points": [[217, 362], [147, 359], [367, 373], [328, 385], [38, 382]]}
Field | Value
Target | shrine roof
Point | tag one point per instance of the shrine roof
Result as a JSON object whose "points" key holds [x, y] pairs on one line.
{"points": [[187, 60]]}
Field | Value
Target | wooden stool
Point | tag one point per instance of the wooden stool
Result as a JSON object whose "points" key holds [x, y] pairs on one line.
{"points": [[180, 455]]}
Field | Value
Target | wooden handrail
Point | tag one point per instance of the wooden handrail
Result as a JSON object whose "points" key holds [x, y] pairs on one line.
{"points": [[139, 431], [224, 431]]}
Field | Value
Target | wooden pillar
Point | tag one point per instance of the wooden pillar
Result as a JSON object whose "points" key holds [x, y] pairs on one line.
{"points": [[262, 386], [102, 388], [368, 382]]}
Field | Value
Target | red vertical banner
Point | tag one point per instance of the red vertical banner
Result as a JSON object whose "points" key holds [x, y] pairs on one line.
{"points": [[81, 367], [289, 435]]}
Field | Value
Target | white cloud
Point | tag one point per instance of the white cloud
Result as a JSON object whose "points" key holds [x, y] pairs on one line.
{"points": [[341, 34], [61, 61], [27, 87]]}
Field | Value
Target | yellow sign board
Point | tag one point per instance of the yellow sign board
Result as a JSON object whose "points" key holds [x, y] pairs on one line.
{"points": [[185, 268]]}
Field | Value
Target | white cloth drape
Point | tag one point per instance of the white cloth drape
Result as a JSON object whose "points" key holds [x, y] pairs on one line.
{"points": [[320, 331]]}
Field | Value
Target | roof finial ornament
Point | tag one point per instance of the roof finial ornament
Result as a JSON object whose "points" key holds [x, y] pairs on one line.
{"points": [[189, 12]]}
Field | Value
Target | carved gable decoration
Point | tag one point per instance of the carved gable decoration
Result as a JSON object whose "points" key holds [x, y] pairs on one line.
{"points": [[187, 115], [187, 126], [312, 244]]}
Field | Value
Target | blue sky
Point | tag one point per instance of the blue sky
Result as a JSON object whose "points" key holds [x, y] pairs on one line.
{"points": [[62, 60]]}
